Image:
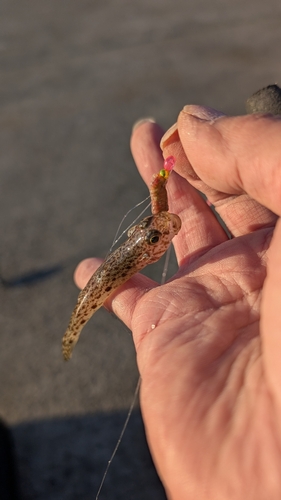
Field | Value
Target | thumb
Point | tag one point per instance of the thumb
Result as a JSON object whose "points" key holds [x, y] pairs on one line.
{"points": [[236, 154]]}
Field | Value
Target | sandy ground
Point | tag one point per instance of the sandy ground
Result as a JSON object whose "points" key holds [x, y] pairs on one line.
{"points": [[74, 78]]}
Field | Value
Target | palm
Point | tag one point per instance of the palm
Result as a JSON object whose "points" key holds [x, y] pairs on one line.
{"points": [[200, 363]]}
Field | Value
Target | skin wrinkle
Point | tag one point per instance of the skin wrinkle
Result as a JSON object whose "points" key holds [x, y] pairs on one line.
{"points": [[235, 358], [244, 220], [242, 476], [244, 275], [240, 368], [206, 415], [202, 319], [233, 334], [198, 269], [237, 375], [169, 308], [223, 286], [240, 340], [152, 348], [198, 289], [222, 407], [179, 313], [249, 430]]}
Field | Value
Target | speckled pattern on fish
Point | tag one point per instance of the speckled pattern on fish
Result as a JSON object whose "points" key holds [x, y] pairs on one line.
{"points": [[147, 242]]}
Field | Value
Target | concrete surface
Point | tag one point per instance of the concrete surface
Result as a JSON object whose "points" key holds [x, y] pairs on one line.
{"points": [[74, 78]]}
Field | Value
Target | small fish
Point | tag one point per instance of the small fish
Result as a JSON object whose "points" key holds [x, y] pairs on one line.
{"points": [[146, 243]]}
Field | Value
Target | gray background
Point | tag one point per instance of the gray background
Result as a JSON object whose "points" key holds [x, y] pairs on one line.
{"points": [[75, 75]]}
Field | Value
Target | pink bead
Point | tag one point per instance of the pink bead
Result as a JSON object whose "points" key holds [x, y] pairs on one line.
{"points": [[169, 163]]}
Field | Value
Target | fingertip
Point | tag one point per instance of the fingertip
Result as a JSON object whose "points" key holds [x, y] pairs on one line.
{"points": [[205, 113], [146, 128], [145, 140], [216, 149], [192, 119], [85, 270], [177, 139], [189, 125], [171, 136], [141, 122]]}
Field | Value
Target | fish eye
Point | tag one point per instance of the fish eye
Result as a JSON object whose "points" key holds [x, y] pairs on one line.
{"points": [[153, 237]]}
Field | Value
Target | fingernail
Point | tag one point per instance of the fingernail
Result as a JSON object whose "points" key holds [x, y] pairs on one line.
{"points": [[203, 112], [140, 122], [170, 136]]}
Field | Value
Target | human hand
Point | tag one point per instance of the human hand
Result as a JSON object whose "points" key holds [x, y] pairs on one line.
{"points": [[211, 391]]}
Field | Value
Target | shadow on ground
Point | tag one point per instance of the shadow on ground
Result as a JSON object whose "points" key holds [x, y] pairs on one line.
{"points": [[66, 459]]}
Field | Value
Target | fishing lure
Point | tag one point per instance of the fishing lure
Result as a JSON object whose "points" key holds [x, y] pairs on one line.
{"points": [[146, 243]]}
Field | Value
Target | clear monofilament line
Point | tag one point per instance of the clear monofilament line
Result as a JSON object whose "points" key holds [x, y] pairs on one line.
{"points": [[120, 437], [116, 237]]}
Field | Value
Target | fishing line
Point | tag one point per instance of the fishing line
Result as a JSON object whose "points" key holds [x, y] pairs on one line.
{"points": [[120, 437], [116, 237]]}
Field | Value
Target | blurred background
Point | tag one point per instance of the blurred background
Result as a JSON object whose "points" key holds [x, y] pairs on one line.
{"points": [[75, 76]]}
